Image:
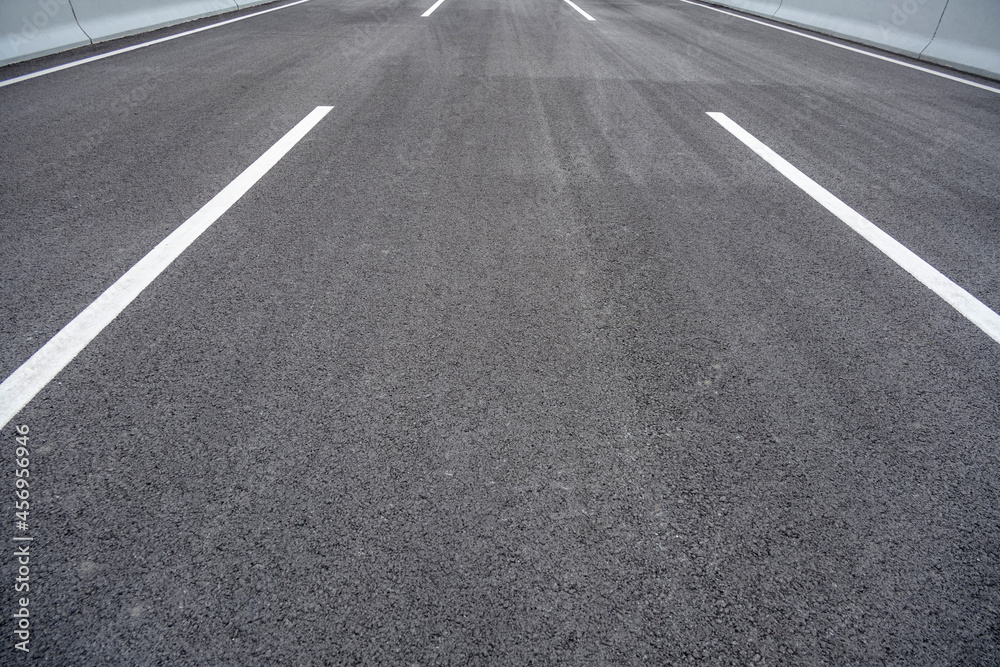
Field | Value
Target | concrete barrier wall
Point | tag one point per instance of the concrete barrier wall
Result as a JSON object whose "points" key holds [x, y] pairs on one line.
{"points": [[969, 37], [903, 26], [107, 19], [762, 7], [33, 28], [964, 34]]}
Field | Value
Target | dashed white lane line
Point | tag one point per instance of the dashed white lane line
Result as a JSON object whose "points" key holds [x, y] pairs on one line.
{"points": [[431, 10], [848, 48], [573, 5], [24, 383], [972, 308], [102, 56]]}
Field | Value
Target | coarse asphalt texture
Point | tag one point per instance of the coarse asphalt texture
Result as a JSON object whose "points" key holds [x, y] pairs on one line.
{"points": [[517, 358]]}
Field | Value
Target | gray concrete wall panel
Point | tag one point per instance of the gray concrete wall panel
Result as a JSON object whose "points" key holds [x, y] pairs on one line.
{"points": [[107, 19], [762, 7], [969, 37], [903, 26], [33, 28]]}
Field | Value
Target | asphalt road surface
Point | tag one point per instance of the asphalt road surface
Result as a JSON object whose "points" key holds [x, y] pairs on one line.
{"points": [[517, 357]]}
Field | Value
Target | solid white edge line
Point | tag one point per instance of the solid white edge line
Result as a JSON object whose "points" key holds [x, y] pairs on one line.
{"points": [[431, 10], [24, 383], [102, 56], [972, 308], [846, 47], [571, 4]]}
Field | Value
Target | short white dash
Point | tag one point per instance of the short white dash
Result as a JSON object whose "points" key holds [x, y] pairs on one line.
{"points": [[24, 383], [431, 10], [573, 5], [972, 308]]}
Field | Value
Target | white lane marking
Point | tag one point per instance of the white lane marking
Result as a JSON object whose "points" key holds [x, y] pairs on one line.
{"points": [[431, 10], [102, 56], [972, 308], [586, 15], [848, 48], [24, 383]]}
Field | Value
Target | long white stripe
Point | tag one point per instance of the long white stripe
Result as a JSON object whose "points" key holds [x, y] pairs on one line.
{"points": [[45, 364], [972, 308], [431, 10], [571, 4], [848, 48], [102, 56]]}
